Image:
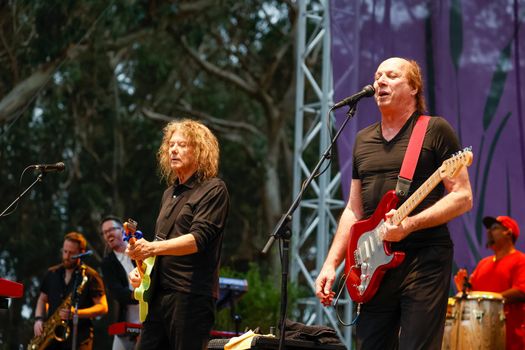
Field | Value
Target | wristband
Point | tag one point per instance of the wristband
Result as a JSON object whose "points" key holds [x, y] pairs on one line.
{"points": [[39, 318]]}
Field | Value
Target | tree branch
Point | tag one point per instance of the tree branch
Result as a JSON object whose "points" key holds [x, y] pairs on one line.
{"points": [[12, 58], [129, 39], [268, 77], [24, 92], [222, 123], [229, 130], [196, 5], [248, 86]]}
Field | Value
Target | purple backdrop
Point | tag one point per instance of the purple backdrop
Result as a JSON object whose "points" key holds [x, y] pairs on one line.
{"points": [[472, 56]]}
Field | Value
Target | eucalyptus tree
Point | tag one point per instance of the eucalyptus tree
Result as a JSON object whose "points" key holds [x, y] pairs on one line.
{"points": [[92, 83]]}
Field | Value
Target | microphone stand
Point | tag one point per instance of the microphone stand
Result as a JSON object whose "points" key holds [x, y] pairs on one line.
{"points": [[38, 179], [75, 302], [283, 232]]}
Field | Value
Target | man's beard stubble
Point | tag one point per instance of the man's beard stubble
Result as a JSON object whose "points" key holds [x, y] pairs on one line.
{"points": [[69, 264]]}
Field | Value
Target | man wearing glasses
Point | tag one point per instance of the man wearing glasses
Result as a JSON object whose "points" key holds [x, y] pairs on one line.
{"points": [[115, 268], [504, 273]]}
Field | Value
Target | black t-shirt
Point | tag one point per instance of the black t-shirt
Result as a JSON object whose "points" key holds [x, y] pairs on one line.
{"points": [[57, 290], [199, 208], [377, 163]]}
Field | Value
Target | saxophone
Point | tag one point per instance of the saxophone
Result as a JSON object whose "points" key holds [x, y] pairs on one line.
{"points": [[55, 327]]}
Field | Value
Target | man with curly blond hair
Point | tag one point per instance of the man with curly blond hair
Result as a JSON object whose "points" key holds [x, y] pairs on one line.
{"points": [[189, 234]]}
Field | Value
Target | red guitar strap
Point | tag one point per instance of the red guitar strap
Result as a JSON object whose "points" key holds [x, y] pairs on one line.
{"points": [[404, 180]]}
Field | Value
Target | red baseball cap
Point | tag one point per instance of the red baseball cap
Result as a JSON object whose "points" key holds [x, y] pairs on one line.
{"points": [[505, 221]]}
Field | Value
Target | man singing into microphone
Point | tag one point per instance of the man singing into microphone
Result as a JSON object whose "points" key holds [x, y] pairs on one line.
{"points": [[58, 285], [408, 310]]}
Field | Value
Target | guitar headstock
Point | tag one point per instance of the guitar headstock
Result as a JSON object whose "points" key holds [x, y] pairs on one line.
{"points": [[451, 166], [130, 230]]}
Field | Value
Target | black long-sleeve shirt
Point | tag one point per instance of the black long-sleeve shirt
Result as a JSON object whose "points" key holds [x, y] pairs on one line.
{"points": [[199, 208]]}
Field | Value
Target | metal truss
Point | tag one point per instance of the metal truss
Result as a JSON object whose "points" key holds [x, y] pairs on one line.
{"points": [[315, 221]]}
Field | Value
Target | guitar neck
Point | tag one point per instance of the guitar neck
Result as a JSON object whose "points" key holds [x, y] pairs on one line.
{"points": [[132, 241], [417, 197]]}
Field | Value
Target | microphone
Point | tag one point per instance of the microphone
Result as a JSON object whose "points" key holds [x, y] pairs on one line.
{"points": [[47, 168], [82, 255], [367, 91]]}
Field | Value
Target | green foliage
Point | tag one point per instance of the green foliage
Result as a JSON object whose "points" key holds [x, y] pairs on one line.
{"points": [[497, 85], [480, 212], [112, 61], [456, 32], [260, 306], [431, 67]]}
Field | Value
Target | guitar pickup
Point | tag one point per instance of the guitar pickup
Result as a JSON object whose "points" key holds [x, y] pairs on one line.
{"points": [[367, 250], [357, 258], [372, 243]]}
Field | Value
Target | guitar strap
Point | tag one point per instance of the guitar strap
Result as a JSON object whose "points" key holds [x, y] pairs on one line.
{"points": [[404, 180]]}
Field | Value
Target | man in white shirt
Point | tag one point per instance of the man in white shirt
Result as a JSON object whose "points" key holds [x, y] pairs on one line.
{"points": [[115, 268]]}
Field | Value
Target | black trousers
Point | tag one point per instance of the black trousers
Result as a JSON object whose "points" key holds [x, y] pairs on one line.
{"points": [[178, 321], [408, 312]]}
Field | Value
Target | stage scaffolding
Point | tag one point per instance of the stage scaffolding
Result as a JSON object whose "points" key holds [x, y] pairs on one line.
{"points": [[315, 221]]}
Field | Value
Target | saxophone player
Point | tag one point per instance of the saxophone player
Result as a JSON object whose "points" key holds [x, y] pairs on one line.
{"points": [[55, 306]]}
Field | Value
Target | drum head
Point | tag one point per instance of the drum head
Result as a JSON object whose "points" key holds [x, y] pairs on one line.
{"points": [[481, 295]]}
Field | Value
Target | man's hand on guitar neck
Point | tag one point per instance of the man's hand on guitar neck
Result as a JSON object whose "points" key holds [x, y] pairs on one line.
{"points": [[134, 278], [140, 250]]}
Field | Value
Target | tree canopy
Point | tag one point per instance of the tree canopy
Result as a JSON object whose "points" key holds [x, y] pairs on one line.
{"points": [[93, 83]]}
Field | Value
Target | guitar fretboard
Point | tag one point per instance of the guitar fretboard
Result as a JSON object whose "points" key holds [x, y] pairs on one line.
{"points": [[452, 165], [413, 201]]}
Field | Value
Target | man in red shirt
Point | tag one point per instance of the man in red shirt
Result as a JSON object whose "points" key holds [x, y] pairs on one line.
{"points": [[504, 273]]}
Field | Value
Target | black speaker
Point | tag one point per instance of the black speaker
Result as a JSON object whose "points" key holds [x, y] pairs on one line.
{"points": [[268, 343]]}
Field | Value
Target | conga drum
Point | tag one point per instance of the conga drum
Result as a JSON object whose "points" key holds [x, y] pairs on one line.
{"points": [[479, 322], [450, 322]]}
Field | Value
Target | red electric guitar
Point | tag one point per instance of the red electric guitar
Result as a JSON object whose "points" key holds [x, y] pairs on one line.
{"points": [[368, 257]]}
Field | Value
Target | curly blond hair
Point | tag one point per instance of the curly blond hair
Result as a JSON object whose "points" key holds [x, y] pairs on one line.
{"points": [[204, 143]]}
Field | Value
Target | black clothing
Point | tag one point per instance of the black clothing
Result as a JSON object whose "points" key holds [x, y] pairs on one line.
{"points": [[314, 333], [56, 290], [117, 288], [412, 299], [410, 306], [199, 209], [178, 321], [182, 309], [377, 163]]}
